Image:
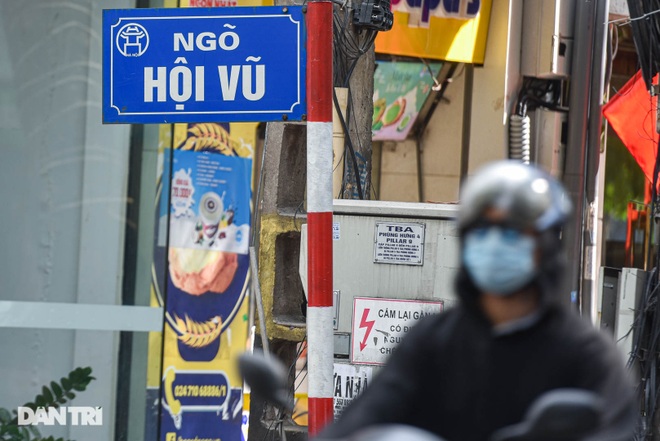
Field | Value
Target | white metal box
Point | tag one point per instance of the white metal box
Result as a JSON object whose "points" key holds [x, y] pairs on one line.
{"points": [[547, 38], [392, 252], [632, 284], [549, 143]]}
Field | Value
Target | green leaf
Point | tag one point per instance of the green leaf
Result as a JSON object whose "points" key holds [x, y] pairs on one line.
{"points": [[35, 431], [56, 389], [41, 401], [47, 394], [5, 415], [66, 383], [81, 377], [53, 394]]}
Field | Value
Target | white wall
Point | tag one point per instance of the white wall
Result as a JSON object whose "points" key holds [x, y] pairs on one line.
{"points": [[494, 90], [496, 85], [441, 148]]}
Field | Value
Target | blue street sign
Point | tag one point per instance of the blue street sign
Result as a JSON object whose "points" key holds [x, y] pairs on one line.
{"points": [[234, 64]]}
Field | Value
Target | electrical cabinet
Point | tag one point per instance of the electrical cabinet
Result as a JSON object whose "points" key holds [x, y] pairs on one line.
{"points": [[632, 283], [549, 141], [394, 262], [547, 38], [609, 295]]}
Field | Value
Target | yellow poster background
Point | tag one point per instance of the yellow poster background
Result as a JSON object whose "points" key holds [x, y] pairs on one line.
{"points": [[448, 39], [238, 141]]}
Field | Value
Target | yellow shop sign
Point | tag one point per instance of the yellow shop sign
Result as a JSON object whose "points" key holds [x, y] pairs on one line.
{"points": [[450, 30]]}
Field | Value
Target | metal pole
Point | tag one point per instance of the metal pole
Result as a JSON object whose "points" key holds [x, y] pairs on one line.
{"points": [[593, 191], [320, 347], [575, 169], [257, 302], [467, 126]]}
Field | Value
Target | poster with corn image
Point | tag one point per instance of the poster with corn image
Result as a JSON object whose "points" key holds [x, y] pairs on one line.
{"points": [[201, 278]]}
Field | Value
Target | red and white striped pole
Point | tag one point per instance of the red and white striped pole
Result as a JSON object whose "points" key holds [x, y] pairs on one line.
{"points": [[319, 215]]}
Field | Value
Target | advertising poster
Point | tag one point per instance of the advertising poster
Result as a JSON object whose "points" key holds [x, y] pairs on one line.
{"points": [[454, 30], [201, 277], [207, 285], [349, 382], [400, 90], [207, 192]]}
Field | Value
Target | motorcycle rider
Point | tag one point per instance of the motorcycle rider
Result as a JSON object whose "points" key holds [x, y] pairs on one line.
{"points": [[479, 365]]}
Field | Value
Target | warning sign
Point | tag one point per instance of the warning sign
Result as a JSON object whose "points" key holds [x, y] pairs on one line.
{"points": [[349, 381], [399, 243], [380, 324]]}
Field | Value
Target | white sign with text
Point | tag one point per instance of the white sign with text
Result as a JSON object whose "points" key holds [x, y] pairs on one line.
{"points": [[399, 243], [349, 381], [380, 324]]}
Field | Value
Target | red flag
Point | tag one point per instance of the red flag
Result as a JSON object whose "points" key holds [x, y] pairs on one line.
{"points": [[632, 115]]}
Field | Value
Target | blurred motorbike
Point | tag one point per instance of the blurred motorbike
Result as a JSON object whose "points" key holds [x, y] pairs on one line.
{"points": [[557, 415]]}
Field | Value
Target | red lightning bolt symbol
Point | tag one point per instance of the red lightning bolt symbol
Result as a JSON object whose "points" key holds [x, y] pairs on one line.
{"points": [[364, 323]]}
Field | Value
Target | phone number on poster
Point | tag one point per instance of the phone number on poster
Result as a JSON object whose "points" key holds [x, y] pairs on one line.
{"points": [[193, 390]]}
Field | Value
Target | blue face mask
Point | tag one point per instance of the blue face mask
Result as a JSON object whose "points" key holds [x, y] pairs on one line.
{"points": [[499, 260]]}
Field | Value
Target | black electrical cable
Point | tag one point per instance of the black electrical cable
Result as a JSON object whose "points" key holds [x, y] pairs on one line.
{"points": [[301, 347], [645, 24], [363, 50], [646, 336], [347, 51], [536, 93], [348, 142], [654, 197], [643, 359], [299, 209]]}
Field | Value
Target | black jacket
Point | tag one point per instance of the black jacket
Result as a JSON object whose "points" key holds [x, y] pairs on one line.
{"points": [[454, 375]]}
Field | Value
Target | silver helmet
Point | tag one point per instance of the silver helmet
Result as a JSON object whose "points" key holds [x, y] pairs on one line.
{"points": [[529, 197]]}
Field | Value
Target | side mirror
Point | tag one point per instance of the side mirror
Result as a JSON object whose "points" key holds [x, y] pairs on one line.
{"points": [[267, 377], [558, 415]]}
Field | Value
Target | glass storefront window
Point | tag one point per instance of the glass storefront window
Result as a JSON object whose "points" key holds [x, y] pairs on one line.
{"points": [[78, 224]]}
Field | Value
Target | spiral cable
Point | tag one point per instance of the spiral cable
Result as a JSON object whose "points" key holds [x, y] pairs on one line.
{"points": [[519, 138]]}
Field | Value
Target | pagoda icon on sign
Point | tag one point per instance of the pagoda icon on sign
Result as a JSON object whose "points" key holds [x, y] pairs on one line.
{"points": [[132, 40]]}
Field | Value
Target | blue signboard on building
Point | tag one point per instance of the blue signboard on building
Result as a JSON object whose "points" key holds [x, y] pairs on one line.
{"points": [[235, 64]]}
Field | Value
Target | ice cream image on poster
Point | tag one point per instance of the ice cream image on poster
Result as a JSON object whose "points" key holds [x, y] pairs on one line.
{"points": [[211, 209]]}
